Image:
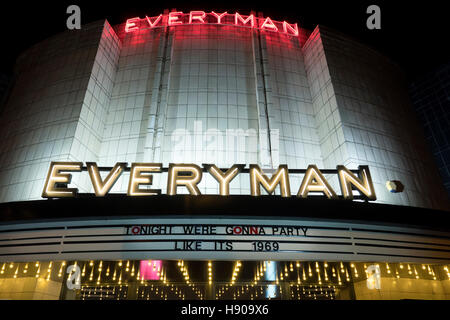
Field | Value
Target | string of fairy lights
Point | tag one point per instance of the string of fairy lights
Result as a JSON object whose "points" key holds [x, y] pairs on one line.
{"points": [[306, 279], [234, 276], [185, 272], [313, 292]]}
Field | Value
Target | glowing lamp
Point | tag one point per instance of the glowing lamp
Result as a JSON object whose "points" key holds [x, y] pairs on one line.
{"points": [[394, 186]]}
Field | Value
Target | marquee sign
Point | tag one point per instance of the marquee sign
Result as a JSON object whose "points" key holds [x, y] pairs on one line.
{"points": [[189, 176], [223, 238], [201, 17]]}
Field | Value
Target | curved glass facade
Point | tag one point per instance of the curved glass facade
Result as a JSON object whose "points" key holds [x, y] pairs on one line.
{"points": [[208, 93]]}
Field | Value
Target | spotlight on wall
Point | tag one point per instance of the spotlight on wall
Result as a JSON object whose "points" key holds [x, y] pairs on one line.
{"points": [[394, 186]]}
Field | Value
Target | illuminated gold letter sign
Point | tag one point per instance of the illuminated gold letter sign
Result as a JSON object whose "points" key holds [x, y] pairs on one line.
{"points": [[137, 179], [314, 181], [279, 177], [224, 178], [102, 187], [177, 178], [190, 176], [54, 177], [364, 185]]}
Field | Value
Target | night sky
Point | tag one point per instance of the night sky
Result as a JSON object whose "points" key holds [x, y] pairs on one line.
{"points": [[413, 34]]}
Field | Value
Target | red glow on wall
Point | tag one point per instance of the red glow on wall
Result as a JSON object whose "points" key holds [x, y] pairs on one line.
{"points": [[150, 269], [201, 17]]}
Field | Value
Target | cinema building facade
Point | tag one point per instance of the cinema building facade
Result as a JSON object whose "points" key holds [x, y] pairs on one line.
{"points": [[209, 155]]}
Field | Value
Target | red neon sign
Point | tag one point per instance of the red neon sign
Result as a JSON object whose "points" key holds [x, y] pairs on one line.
{"points": [[130, 25], [197, 15], [174, 18], [292, 28], [268, 24], [202, 17], [218, 16], [238, 17], [155, 22]]}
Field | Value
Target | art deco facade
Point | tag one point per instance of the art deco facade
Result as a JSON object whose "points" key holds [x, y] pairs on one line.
{"points": [[211, 94], [217, 94]]}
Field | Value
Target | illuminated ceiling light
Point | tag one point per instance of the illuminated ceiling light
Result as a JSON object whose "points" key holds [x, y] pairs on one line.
{"points": [[430, 270]]}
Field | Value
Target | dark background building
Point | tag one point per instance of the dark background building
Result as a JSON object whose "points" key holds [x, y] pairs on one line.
{"points": [[4, 86], [431, 98]]}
